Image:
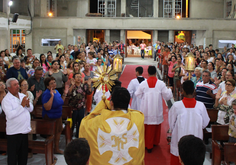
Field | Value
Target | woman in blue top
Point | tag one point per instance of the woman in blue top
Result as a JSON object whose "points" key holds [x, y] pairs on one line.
{"points": [[52, 107]]}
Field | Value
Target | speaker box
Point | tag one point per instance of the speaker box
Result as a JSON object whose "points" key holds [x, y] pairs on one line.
{"points": [[15, 17]]}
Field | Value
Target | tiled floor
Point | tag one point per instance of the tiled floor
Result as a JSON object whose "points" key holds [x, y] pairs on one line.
{"points": [[39, 159]]}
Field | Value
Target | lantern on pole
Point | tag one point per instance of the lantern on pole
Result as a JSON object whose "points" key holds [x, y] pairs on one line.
{"points": [[189, 63], [117, 63]]}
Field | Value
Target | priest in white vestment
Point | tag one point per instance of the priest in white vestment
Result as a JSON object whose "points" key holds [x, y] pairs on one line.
{"points": [[186, 117], [151, 92], [133, 86], [98, 94]]}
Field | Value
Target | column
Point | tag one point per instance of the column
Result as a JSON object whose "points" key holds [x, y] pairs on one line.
{"points": [[7, 9], [43, 8], [154, 39], [173, 8], [107, 36], [31, 4], [122, 37], [155, 8], [82, 8], [123, 8], [105, 11], [171, 36], [208, 38], [28, 40], [69, 36]]}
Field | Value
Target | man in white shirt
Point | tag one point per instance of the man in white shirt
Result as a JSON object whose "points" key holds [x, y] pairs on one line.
{"points": [[151, 92], [186, 117], [17, 108], [133, 86]]}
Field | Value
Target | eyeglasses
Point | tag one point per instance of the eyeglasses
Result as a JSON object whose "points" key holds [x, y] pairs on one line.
{"points": [[24, 85], [228, 84]]}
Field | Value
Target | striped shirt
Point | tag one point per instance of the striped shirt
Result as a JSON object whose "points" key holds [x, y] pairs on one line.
{"points": [[201, 95]]}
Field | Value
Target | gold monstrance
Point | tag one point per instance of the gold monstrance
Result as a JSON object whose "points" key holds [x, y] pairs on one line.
{"points": [[104, 76]]}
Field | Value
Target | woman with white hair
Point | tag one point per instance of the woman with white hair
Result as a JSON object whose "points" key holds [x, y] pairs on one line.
{"points": [[198, 76]]}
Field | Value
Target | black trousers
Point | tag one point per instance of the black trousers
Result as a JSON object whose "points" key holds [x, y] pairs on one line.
{"points": [[142, 54], [77, 116], [17, 149]]}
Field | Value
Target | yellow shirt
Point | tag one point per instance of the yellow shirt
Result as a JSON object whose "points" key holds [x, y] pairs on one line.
{"points": [[114, 137], [59, 46]]}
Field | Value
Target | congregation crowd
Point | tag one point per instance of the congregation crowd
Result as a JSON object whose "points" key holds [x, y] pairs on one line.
{"points": [[27, 81]]}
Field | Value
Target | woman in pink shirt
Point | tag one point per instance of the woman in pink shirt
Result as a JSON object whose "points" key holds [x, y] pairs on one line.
{"points": [[43, 62], [143, 46], [170, 73]]}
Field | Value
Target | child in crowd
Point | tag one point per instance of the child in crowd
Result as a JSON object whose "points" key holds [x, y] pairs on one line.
{"points": [[28, 64], [149, 51], [91, 60]]}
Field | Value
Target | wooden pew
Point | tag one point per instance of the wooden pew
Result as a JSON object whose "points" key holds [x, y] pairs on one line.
{"points": [[38, 127], [219, 135], [66, 113], [213, 114], [229, 153]]}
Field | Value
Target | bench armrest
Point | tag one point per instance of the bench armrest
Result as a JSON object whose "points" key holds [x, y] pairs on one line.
{"points": [[216, 144]]}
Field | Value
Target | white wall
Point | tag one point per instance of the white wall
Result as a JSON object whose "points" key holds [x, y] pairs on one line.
{"points": [[3, 41], [66, 8], [205, 27], [81, 33], [82, 8], [38, 34], [207, 9], [223, 35], [200, 35]]}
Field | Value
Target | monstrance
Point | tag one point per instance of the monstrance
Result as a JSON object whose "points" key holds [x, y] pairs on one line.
{"points": [[104, 76]]}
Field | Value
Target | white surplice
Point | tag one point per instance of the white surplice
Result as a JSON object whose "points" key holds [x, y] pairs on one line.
{"points": [[186, 121], [132, 88], [151, 101]]}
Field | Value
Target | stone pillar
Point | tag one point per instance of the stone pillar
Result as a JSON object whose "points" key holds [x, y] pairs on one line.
{"points": [[154, 39], [55, 9], [43, 8], [29, 40], [208, 38], [7, 10], [31, 4], [122, 37], [106, 5], [155, 8], [173, 8], [107, 36], [69, 36], [171, 36], [82, 8], [3, 37], [123, 7]]}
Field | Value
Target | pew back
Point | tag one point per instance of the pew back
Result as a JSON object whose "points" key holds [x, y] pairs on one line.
{"points": [[220, 132], [229, 153]]}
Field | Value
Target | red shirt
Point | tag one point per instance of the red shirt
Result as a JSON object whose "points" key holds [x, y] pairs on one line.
{"points": [[165, 55]]}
